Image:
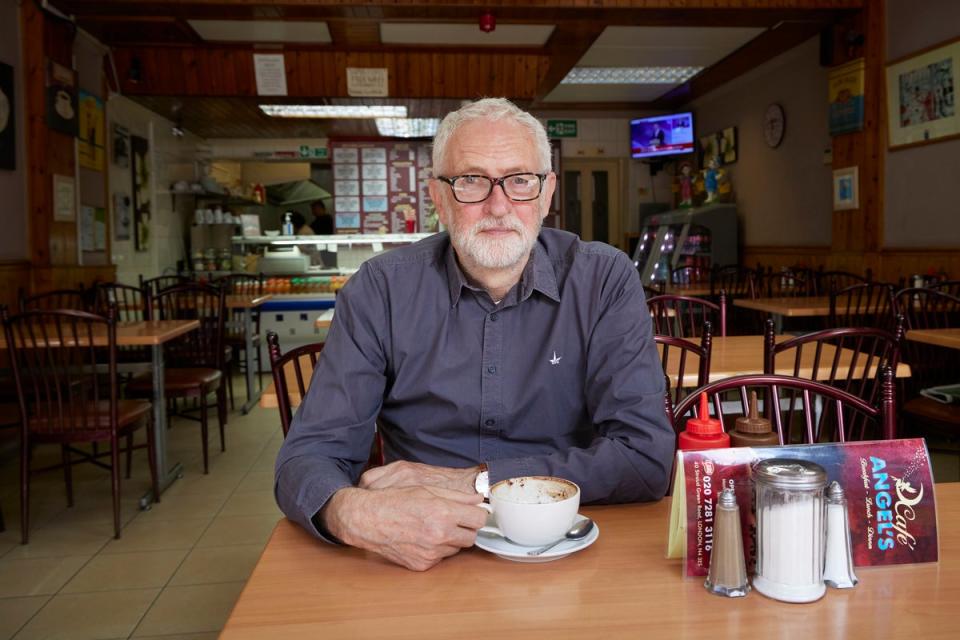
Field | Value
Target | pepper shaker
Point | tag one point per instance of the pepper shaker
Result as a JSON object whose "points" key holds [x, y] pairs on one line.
{"points": [[728, 571]]}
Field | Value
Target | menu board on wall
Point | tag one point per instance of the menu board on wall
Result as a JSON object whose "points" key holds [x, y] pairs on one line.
{"points": [[381, 187]]}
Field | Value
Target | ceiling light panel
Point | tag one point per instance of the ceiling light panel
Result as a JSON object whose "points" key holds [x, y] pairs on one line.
{"points": [[460, 34], [262, 31], [333, 111], [630, 75], [408, 127]]}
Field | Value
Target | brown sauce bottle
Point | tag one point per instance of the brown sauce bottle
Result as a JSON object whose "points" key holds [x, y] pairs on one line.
{"points": [[752, 430]]}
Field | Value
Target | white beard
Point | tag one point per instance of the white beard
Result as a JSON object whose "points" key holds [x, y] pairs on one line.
{"points": [[494, 253]]}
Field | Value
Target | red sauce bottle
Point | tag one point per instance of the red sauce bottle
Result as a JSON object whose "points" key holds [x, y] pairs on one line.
{"points": [[703, 432]]}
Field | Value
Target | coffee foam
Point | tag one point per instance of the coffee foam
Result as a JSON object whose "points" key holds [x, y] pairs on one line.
{"points": [[534, 490]]}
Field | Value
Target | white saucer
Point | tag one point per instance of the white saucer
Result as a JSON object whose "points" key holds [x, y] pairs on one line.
{"points": [[510, 551]]}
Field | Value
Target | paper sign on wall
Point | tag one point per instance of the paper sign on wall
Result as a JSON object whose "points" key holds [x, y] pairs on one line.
{"points": [[367, 83], [270, 73]]}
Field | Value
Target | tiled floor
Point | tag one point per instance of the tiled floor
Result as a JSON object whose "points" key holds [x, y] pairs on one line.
{"points": [[178, 568]]}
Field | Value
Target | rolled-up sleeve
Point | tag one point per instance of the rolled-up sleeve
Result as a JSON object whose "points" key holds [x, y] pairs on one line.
{"points": [[631, 454], [332, 432]]}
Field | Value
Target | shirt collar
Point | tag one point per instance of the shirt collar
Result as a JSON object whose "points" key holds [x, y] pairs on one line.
{"points": [[538, 275]]}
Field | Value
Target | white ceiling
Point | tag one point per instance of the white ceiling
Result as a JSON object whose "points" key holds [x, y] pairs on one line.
{"points": [[651, 47], [262, 31], [520, 35]]}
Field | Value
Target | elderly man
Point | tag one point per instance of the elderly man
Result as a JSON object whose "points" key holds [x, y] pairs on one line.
{"points": [[499, 350]]}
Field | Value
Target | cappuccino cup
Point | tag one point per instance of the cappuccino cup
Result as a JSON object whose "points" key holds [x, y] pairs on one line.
{"points": [[533, 510]]}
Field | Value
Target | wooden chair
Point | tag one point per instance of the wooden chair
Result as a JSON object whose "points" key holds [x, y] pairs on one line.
{"points": [[826, 282], [75, 299], [824, 408], [735, 282], [153, 286], [930, 365], [951, 287], [690, 275], [194, 361], [673, 358], [685, 316], [786, 283], [296, 366], [850, 358], [131, 302], [234, 336], [65, 399], [862, 305]]}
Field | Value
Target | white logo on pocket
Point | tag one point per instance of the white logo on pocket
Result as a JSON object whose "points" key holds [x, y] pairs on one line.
{"points": [[555, 360]]}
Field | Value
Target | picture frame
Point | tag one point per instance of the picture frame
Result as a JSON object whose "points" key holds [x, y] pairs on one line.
{"points": [[846, 188], [921, 96], [8, 137]]}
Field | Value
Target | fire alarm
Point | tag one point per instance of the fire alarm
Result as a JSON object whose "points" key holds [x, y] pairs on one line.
{"points": [[488, 22]]}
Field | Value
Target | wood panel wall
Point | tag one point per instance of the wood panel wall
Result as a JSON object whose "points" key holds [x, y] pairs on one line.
{"points": [[888, 265], [228, 71]]}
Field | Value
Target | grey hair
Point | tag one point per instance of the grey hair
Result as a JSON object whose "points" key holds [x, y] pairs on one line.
{"points": [[492, 110]]}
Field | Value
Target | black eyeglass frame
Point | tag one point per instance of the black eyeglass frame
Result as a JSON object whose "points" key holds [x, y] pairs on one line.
{"points": [[494, 182]]}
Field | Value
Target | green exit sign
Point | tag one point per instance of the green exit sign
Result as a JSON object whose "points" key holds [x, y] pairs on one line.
{"points": [[562, 128]]}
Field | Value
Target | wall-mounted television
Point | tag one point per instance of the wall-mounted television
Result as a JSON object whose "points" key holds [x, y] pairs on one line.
{"points": [[662, 135]]}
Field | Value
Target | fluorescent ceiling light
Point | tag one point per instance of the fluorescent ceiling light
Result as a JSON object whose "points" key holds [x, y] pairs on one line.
{"points": [[262, 31], [333, 111], [408, 127], [630, 75], [465, 35]]}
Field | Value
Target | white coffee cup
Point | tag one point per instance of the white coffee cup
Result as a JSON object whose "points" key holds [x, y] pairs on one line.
{"points": [[533, 510]]}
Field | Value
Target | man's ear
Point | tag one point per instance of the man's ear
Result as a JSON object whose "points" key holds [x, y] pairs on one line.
{"points": [[434, 187], [549, 186]]}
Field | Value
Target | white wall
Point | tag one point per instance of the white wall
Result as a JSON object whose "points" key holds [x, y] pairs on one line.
{"points": [[13, 188], [783, 195], [171, 159]]}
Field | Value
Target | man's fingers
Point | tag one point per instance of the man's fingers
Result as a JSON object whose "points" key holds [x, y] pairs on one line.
{"points": [[456, 496]]}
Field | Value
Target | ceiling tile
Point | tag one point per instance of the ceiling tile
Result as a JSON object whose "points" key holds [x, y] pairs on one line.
{"points": [[261, 31]]}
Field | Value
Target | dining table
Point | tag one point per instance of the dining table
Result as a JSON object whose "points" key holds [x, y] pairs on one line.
{"points": [[153, 334], [947, 337], [621, 586], [787, 307], [247, 305]]}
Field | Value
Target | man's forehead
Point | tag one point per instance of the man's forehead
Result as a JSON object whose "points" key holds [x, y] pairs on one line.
{"points": [[494, 147]]}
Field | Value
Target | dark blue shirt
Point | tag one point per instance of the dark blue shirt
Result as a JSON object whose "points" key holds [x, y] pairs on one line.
{"points": [[560, 378]]}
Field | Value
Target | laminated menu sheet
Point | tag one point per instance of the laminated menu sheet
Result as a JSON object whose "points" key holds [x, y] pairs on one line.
{"points": [[888, 484]]}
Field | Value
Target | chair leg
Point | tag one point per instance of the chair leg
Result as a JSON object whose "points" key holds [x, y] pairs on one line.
{"points": [[67, 472], [222, 414], [115, 483], [228, 381], [203, 432], [129, 453], [24, 490], [152, 455]]}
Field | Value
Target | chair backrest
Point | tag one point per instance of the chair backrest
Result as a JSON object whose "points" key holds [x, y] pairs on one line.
{"points": [[735, 280], [862, 305], [827, 282], [674, 352], [75, 299], [295, 366], [685, 316], [786, 283], [930, 365], [153, 286], [202, 347], [130, 302], [57, 373], [850, 358], [951, 287], [824, 409], [690, 275]]}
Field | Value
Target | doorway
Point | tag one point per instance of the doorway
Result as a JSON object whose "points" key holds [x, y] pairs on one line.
{"points": [[591, 199]]}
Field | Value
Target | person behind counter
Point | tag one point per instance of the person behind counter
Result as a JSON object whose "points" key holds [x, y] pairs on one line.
{"points": [[498, 350], [322, 223]]}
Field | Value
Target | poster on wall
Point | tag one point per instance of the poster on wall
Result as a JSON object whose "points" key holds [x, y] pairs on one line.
{"points": [[8, 139], [64, 203], [61, 98], [93, 228], [122, 221], [92, 137], [845, 88], [140, 165], [121, 146]]}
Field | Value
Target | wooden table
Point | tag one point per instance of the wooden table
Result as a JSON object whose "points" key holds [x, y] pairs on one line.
{"points": [[324, 320], [791, 307], [949, 338], [741, 355], [695, 290], [620, 587], [248, 303], [153, 334]]}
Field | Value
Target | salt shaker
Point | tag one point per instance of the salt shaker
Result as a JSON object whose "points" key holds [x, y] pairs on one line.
{"points": [[790, 533], [838, 571], [728, 571]]}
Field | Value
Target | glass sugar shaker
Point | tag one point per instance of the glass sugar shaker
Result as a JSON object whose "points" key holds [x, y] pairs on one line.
{"points": [[790, 531]]}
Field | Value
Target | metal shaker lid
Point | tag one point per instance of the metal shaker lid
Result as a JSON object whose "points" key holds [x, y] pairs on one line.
{"points": [[790, 474]]}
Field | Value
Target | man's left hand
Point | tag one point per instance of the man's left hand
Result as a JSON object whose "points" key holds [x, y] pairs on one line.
{"points": [[412, 474]]}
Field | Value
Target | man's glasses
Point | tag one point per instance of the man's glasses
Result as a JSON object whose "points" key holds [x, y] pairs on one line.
{"points": [[520, 187]]}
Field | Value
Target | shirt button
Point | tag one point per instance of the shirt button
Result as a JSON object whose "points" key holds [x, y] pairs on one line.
{"points": [[491, 369], [490, 422], [494, 317]]}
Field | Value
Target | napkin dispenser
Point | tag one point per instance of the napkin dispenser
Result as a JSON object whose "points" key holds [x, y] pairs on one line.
{"points": [[283, 259]]}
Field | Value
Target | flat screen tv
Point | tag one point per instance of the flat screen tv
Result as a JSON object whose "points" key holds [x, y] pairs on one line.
{"points": [[662, 135]]}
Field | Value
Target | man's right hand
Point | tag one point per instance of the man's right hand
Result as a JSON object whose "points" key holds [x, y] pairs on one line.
{"points": [[415, 527]]}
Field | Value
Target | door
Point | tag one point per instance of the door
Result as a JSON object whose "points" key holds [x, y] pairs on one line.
{"points": [[591, 199]]}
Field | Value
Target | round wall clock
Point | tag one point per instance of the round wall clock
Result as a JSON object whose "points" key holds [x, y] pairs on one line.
{"points": [[774, 125]]}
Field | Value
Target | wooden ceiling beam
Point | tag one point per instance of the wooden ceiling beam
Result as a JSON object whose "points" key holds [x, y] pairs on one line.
{"points": [[567, 44]]}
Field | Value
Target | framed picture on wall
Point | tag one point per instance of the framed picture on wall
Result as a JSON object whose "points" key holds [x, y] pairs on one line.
{"points": [[8, 138], [140, 165], [846, 188], [921, 96]]}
